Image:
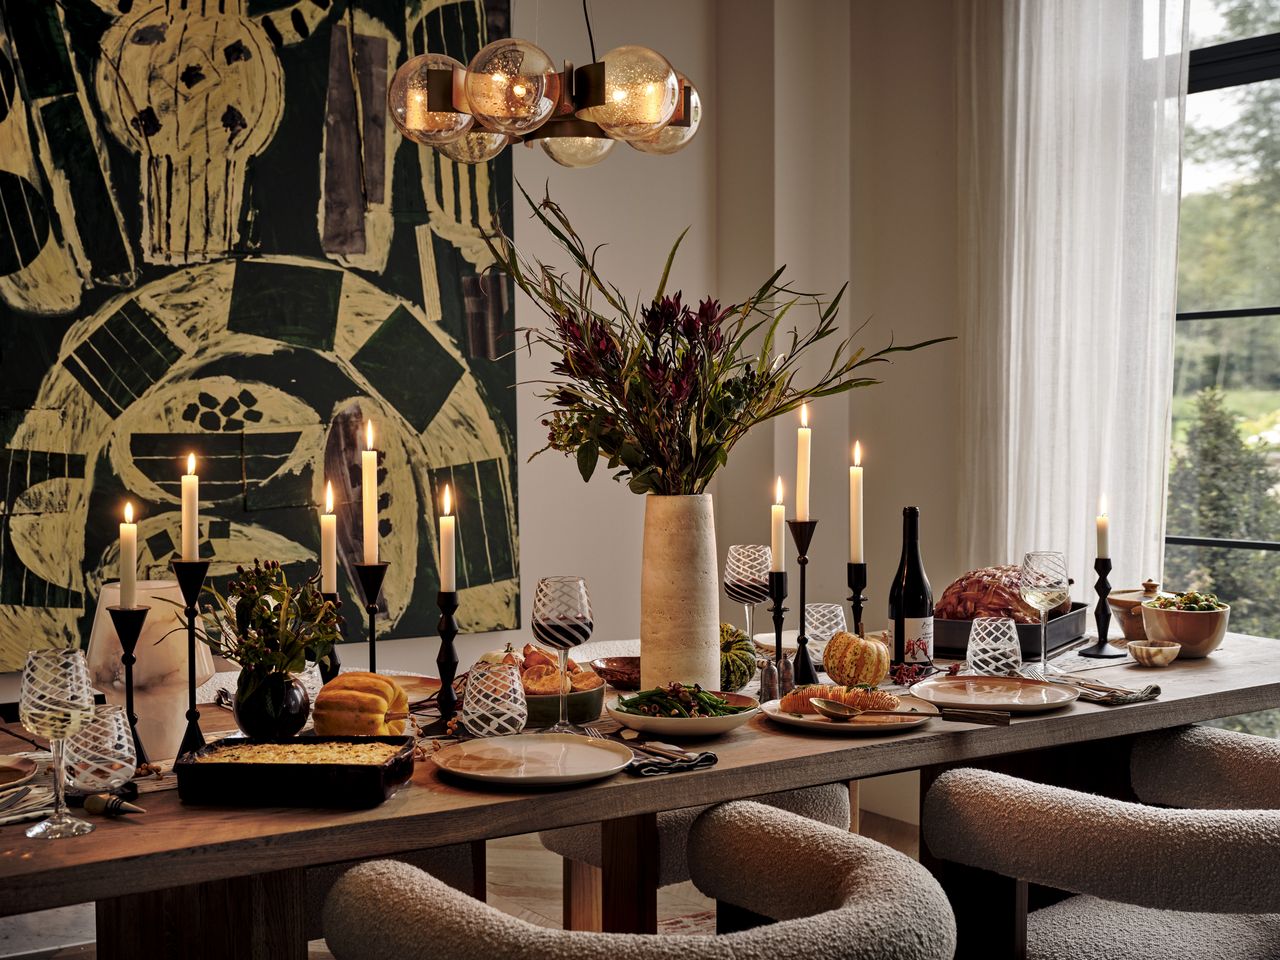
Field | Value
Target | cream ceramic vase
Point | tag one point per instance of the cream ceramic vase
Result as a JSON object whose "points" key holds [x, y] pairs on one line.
{"points": [[679, 593]]}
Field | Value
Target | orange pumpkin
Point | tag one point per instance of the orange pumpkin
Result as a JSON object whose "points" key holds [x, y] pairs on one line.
{"points": [[853, 661], [359, 704]]}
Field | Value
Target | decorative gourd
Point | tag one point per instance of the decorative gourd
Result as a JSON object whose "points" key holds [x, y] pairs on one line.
{"points": [[737, 658], [854, 661], [360, 704]]}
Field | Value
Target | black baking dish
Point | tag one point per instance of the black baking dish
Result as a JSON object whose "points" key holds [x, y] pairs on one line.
{"points": [[347, 785], [951, 637]]}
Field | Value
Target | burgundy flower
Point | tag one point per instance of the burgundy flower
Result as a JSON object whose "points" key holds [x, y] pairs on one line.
{"points": [[660, 316]]}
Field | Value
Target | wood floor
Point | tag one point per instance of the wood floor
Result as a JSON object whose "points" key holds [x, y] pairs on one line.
{"points": [[524, 881]]}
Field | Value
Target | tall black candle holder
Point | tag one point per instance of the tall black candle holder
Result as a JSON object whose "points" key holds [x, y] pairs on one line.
{"points": [[1102, 650], [802, 533], [191, 574], [128, 623], [447, 658], [334, 666], [778, 594], [857, 583], [371, 576]]}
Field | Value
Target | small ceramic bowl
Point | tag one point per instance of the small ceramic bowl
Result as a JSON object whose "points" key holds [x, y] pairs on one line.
{"points": [[621, 673], [1154, 653], [584, 706], [1199, 631]]}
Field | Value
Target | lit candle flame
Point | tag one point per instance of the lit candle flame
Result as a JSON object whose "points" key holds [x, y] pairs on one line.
{"points": [[448, 500], [191, 464], [804, 414], [368, 434], [128, 512], [778, 492], [328, 497], [1102, 504], [857, 453]]}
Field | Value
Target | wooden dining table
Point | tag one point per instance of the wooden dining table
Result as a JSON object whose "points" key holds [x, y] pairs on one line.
{"points": [[245, 866]]}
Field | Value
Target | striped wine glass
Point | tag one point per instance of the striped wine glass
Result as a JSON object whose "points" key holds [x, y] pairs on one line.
{"points": [[562, 620]]}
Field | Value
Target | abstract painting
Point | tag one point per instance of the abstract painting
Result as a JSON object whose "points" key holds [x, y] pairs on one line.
{"points": [[214, 241]]}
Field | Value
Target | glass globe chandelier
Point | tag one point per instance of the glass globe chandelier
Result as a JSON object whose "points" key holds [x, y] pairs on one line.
{"points": [[511, 92]]}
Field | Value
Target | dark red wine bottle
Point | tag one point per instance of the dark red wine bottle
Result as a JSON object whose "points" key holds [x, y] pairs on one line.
{"points": [[911, 599]]}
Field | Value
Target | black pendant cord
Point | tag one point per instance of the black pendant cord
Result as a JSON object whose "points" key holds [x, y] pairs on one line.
{"points": [[1102, 650], [586, 15], [802, 533], [857, 583]]}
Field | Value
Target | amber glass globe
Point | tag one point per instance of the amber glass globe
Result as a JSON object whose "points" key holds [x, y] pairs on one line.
{"points": [[577, 151], [407, 102], [512, 87], [672, 137], [474, 146], [640, 94]]}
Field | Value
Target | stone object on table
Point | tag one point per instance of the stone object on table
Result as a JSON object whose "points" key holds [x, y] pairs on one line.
{"points": [[160, 674]]}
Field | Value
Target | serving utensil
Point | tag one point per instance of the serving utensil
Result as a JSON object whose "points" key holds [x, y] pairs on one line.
{"points": [[842, 712]]}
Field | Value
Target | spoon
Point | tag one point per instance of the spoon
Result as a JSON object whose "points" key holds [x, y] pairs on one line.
{"points": [[842, 713]]}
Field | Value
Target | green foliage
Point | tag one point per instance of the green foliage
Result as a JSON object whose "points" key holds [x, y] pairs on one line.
{"points": [[662, 392], [267, 626]]}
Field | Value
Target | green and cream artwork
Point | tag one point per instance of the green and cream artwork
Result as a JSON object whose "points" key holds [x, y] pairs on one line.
{"points": [[214, 241]]}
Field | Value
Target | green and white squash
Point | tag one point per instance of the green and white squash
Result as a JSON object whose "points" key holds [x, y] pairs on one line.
{"points": [[737, 658]]}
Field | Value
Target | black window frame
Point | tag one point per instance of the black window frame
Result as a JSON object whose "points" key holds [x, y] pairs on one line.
{"points": [[1232, 64]]}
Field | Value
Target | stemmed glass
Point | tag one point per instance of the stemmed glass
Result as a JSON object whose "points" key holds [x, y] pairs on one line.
{"points": [[1045, 586], [746, 578], [56, 701], [562, 620]]}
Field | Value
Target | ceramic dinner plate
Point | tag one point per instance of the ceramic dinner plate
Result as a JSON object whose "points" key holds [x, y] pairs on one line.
{"points": [[418, 688], [15, 771], [913, 712], [687, 726], [534, 758], [1015, 694]]}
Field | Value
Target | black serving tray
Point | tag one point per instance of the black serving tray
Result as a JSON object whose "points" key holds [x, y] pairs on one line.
{"points": [[345, 785], [951, 637]]}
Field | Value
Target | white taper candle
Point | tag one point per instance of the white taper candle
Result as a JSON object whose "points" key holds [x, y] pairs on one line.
{"points": [[777, 532], [128, 559], [328, 544], [191, 511], [448, 547], [804, 438], [369, 495]]}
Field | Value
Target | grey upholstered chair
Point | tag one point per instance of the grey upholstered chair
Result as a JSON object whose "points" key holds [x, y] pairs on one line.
{"points": [[1155, 883], [837, 896], [581, 846]]}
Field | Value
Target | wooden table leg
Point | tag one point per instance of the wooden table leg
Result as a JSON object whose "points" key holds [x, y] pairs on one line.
{"points": [[629, 888], [259, 917], [582, 896]]}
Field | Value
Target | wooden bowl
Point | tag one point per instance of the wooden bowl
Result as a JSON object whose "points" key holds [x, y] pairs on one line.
{"points": [[621, 673], [1200, 632], [1154, 653], [585, 706]]}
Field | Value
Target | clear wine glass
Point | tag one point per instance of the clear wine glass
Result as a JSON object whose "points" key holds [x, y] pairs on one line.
{"points": [[1045, 585], [822, 622], [994, 649], [56, 701], [101, 756], [494, 704], [746, 578], [562, 621]]}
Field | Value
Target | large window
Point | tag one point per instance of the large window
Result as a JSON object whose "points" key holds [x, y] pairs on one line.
{"points": [[1224, 484]]}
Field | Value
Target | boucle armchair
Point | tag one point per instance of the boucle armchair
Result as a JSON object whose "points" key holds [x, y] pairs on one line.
{"points": [[1153, 883], [582, 846], [838, 896]]}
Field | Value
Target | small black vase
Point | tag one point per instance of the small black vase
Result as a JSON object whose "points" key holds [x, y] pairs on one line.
{"points": [[270, 706]]}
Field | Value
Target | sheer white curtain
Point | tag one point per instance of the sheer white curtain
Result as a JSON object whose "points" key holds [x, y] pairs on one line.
{"points": [[1070, 116]]}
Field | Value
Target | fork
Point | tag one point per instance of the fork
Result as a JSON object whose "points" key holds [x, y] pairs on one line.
{"points": [[595, 734], [1086, 693]]}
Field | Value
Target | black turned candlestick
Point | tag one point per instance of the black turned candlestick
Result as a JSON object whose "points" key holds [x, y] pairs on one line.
{"points": [[128, 623], [857, 583], [778, 593], [327, 673], [371, 576], [802, 533], [191, 574], [447, 658], [1102, 650]]}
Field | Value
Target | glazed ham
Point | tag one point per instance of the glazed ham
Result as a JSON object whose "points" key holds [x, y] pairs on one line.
{"points": [[989, 592]]}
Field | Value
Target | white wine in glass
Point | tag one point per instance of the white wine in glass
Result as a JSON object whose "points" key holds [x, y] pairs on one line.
{"points": [[56, 701], [1046, 586]]}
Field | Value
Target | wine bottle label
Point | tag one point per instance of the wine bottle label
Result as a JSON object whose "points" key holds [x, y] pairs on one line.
{"points": [[917, 646]]}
